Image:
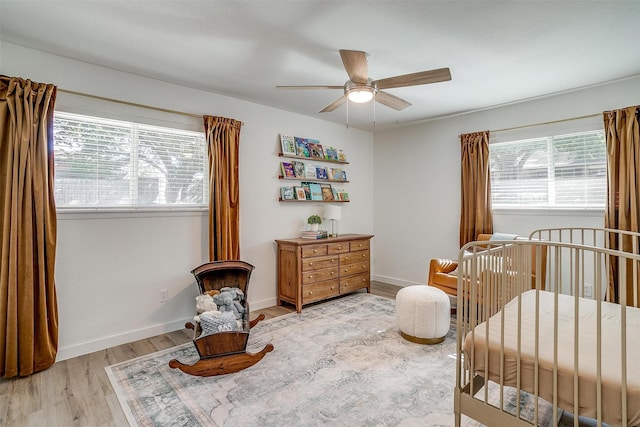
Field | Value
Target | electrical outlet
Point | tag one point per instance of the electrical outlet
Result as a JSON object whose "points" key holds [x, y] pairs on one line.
{"points": [[164, 295], [588, 290]]}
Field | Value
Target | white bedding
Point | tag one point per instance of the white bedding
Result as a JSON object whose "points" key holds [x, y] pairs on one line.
{"points": [[611, 353]]}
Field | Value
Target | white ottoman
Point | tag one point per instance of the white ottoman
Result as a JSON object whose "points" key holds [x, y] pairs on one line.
{"points": [[423, 314]]}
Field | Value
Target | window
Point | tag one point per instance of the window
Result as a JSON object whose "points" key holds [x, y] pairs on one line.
{"points": [[565, 171], [102, 163]]}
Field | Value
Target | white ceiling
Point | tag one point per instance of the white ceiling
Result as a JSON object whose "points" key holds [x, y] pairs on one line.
{"points": [[498, 51]]}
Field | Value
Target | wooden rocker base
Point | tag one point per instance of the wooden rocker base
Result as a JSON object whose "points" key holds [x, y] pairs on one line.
{"points": [[221, 365]]}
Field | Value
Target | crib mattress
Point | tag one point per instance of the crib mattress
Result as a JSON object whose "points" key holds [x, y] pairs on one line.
{"points": [[586, 354]]}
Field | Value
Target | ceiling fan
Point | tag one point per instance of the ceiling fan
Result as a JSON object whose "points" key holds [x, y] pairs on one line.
{"points": [[360, 88]]}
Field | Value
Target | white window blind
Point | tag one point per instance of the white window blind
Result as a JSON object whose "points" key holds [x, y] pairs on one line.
{"points": [[101, 163], [565, 171]]}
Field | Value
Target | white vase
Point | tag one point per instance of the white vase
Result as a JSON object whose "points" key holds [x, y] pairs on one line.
{"points": [[314, 227]]}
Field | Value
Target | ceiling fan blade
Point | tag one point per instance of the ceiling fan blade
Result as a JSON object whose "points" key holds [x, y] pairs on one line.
{"points": [[335, 104], [309, 87], [355, 62], [420, 78], [391, 101]]}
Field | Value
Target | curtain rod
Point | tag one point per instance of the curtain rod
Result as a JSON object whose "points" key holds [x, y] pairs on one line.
{"points": [[132, 104], [546, 123]]}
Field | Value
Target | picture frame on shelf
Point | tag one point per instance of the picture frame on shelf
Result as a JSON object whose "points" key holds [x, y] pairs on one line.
{"points": [[300, 193], [344, 196], [288, 145]]}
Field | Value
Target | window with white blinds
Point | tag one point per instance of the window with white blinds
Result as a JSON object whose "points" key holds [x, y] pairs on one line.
{"points": [[564, 171], [101, 163]]}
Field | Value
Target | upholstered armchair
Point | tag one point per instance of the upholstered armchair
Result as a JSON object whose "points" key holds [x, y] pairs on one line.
{"points": [[443, 272]]}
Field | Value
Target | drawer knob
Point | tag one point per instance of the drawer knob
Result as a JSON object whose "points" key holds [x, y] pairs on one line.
{"points": [[333, 260], [339, 247], [310, 277], [364, 280], [310, 292], [364, 255], [364, 267], [333, 287], [346, 269], [333, 272], [310, 264], [315, 251], [360, 245]]}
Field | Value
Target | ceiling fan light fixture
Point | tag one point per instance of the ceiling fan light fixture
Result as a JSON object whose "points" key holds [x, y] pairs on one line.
{"points": [[360, 95]]}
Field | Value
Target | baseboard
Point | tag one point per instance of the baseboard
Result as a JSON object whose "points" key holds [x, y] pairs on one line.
{"points": [[393, 281], [87, 347], [265, 303]]}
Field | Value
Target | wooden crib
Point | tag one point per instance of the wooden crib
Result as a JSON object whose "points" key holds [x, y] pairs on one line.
{"points": [[556, 339]]}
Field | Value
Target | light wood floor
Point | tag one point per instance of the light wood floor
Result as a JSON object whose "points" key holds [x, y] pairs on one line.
{"points": [[77, 392]]}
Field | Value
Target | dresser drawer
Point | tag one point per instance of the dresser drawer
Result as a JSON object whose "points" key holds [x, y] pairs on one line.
{"points": [[338, 248], [314, 250], [353, 257], [317, 263], [349, 269], [355, 282], [359, 245], [319, 291], [319, 275]]}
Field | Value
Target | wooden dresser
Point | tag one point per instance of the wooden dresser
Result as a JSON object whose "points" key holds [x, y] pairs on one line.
{"points": [[314, 270]]}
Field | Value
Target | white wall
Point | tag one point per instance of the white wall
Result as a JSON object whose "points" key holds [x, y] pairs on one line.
{"points": [[110, 267], [417, 179]]}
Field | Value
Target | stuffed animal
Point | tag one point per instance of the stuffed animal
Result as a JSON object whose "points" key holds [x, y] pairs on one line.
{"points": [[204, 303], [236, 293], [224, 301], [212, 292]]}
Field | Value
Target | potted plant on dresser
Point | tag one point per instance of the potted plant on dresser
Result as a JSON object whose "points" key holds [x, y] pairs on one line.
{"points": [[314, 221]]}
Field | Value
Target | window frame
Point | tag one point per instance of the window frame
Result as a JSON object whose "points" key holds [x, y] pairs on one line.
{"points": [[146, 123], [546, 130]]}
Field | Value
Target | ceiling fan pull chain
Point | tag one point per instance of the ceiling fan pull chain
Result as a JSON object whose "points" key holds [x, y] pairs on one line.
{"points": [[374, 111], [347, 113]]}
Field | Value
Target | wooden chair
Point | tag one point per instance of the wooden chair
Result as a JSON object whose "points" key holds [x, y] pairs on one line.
{"points": [[223, 352]]}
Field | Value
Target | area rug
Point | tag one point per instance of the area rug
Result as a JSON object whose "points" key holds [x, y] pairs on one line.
{"points": [[339, 363]]}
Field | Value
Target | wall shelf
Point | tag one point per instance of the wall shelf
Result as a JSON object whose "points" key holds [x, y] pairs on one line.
{"points": [[312, 159]]}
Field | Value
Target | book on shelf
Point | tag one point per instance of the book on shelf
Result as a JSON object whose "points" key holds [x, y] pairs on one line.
{"points": [[316, 191], [300, 193], [310, 171], [287, 170], [286, 193], [341, 156], [315, 149], [298, 169], [302, 148], [307, 190], [327, 192], [337, 174], [331, 153], [336, 195], [321, 173], [308, 234], [344, 196], [288, 145]]}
